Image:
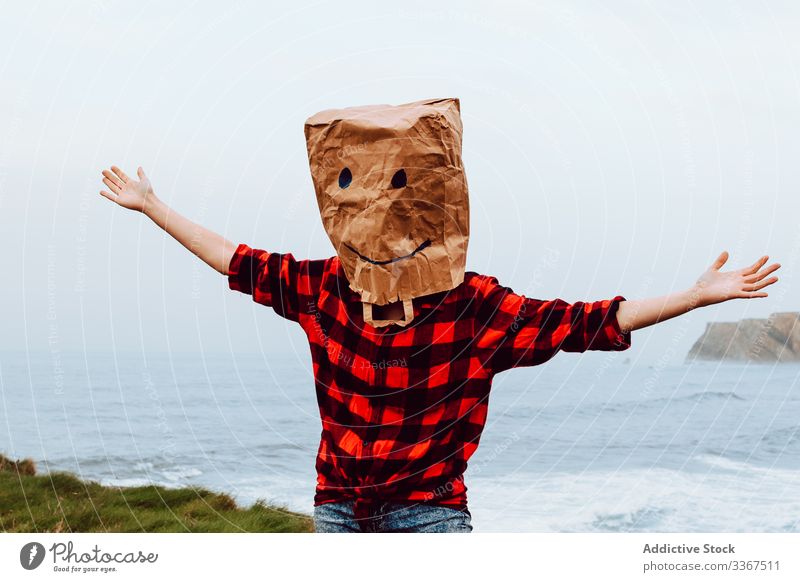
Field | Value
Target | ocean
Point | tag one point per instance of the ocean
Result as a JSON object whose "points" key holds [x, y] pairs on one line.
{"points": [[584, 443]]}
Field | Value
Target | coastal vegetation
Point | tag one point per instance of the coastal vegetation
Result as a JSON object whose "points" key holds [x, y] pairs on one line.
{"points": [[61, 502]]}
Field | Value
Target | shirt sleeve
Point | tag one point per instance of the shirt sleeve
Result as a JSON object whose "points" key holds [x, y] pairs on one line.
{"points": [[277, 280], [516, 331]]}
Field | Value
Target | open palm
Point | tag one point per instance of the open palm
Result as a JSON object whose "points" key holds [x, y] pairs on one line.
{"points": [[125, 191], [715, 286]]}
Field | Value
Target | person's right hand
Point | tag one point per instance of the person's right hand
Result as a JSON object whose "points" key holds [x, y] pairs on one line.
{"points": [[127, 192]]}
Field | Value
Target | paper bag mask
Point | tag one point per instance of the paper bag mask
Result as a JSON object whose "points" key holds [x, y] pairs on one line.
{"points": [[392, 195]]}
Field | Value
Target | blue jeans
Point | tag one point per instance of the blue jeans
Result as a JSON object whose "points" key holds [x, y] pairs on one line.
{"points": [[339, 517]]}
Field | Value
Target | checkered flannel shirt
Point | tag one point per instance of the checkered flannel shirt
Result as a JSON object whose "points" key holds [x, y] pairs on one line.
{"points": [[403, 408]]}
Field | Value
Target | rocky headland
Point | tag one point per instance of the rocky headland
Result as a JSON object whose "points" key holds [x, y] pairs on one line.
{"points": [[773, 339]]}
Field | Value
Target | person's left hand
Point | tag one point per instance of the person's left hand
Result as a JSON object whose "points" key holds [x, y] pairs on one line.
{"points": [[715, 286]]}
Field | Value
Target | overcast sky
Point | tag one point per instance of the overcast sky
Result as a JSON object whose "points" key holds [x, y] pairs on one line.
{"points": [[610, 148]]}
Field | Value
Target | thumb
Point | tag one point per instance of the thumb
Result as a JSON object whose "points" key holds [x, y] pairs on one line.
{"points": [[141, 173], [720, 261]]}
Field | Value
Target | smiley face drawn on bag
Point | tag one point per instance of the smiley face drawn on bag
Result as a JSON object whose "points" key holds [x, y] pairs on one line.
{"points": [[392, 195]]}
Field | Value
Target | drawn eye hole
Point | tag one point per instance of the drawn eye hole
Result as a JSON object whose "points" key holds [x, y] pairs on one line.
{"points": [[345, 177], [399, 179]]}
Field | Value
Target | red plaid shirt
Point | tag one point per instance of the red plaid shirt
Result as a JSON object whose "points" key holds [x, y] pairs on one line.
{"points": [[403, 408]]}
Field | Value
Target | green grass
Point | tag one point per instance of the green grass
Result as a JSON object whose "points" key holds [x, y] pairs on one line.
{"points": [[60, 502]]}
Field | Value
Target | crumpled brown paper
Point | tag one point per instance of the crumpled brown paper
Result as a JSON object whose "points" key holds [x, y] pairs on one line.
{"points": [[393, 196]]}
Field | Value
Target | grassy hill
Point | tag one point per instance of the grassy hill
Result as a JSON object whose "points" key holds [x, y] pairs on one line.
{"points": [[60, 502]]}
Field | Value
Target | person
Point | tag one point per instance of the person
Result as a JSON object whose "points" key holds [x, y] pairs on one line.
{"points": [[403, 386]]}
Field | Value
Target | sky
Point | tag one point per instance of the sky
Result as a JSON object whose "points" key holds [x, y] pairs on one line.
{"points": [[610, 148]]}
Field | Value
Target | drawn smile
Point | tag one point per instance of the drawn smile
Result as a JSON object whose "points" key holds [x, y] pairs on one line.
{"points": [[421, 247]]}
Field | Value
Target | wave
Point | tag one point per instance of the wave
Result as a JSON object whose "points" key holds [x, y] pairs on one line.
{"points": [[712, 395], [695, 397], [625, 406], [739, 498], [727, 464], [703, 396], [126, 471], [181, 473], [127, 482], [785, 436]]}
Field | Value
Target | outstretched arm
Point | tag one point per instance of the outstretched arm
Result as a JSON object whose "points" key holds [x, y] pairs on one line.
{"points": [[213, 249], [713, 286]]}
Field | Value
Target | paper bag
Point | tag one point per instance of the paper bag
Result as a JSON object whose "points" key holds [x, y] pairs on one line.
{"points": [[392, 195]]}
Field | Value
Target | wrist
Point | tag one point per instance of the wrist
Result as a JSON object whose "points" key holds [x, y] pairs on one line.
{"points": [[694, 297], [153, 207]]}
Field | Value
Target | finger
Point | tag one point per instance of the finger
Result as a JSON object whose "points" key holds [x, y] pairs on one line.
{"points": [[108, 195], [760, 285], [114, 188], [763, 273], [122, 175], [141, 174], [753, 295], [717, 265], [113, 178], [756, 266]]}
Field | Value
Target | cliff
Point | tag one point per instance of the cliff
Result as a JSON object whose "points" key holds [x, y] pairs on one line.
{"points": [[774, 339]]}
